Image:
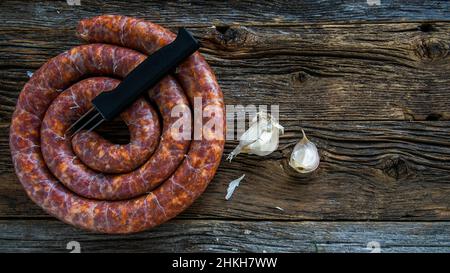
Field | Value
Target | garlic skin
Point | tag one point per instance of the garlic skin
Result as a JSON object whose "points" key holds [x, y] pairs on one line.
{"points": [[261, 138], [232, 187], [305, 156]]}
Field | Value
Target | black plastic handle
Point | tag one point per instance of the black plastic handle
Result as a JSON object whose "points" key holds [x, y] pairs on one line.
{"points": [[146, 75]]}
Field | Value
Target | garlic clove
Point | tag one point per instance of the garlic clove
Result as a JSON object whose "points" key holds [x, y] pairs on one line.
{"points": [[305, 156], [266, 144], [261, 138]]}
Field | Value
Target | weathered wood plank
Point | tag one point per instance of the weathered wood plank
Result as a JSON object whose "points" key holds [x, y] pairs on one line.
{"points": [[232, 236], [369, 170], [206, 13], [313, 72]]}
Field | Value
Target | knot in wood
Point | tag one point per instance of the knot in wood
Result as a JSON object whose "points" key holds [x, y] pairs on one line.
{"points": [[300, 77], [426, 27], [233, 37], [395, 167], [430, 49]]}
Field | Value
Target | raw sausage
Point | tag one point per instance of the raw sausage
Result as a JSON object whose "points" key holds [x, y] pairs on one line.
{"points": [[91, 183]]}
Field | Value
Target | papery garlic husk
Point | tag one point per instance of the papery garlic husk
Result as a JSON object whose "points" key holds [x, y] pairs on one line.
{"points": [[261, 138], [232, 187], [305, 156]]}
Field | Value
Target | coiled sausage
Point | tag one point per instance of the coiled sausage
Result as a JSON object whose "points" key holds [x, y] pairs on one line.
{"points": [[91, 183]]}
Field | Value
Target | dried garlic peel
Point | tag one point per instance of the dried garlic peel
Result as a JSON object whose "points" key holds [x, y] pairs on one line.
{"points": [[261, 138], [232, 186], [305, 157]]}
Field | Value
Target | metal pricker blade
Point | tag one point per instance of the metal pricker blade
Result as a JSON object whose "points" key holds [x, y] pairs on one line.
{"points": [[88, 121]]}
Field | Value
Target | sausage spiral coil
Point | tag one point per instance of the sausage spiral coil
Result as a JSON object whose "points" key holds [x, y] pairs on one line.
{"points": [[90, 182]]}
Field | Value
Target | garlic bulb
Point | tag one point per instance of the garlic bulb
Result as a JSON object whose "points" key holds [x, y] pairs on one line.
{"points": [[305, 157], [261, 138]]}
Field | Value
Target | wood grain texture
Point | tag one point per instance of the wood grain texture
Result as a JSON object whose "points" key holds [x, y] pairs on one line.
{"points": [[232, 236], [369, 171]]}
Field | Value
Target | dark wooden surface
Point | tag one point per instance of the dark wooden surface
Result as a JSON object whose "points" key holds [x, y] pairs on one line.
{"points": [[369, 84]]}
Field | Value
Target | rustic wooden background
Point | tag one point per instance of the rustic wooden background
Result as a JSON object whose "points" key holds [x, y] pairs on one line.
{"points": [[368, 83]]}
